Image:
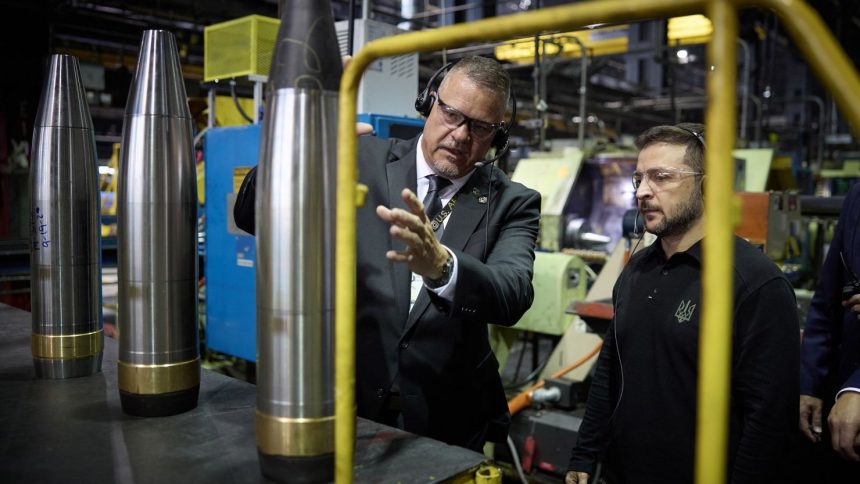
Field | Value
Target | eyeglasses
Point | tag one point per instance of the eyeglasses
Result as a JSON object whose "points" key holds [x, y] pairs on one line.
{"points": [[661, 178], [452, 118]]}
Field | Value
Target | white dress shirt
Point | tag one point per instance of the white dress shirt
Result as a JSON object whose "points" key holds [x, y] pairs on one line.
{"points": [[445, 195]]}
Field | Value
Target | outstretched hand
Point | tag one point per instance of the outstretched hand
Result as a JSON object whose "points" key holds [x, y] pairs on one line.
{"points": [[424, 254]]}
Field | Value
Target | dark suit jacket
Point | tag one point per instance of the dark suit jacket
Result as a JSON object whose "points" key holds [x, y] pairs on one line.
{"points": [[831, 335], [439, 354]]}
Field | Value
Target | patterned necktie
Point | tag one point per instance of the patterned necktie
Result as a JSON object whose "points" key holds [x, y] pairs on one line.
{"points": [[432, 202]]}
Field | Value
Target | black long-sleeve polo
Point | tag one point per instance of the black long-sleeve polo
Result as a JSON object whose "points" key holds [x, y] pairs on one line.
{"points": [[641, 413]]}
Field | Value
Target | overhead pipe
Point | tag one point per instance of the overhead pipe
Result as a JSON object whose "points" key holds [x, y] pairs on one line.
{"points": [[816, 100], [757, 126], [583, 89], [745, 91]]}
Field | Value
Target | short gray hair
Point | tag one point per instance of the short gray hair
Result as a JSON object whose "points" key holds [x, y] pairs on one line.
{"points": [[486, 73]]}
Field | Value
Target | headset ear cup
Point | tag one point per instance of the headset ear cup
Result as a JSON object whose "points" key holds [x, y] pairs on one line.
{"points": [[500, 141], [423, 103]]}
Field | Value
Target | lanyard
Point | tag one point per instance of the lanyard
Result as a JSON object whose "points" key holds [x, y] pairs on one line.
{"points": [[440, 217]]}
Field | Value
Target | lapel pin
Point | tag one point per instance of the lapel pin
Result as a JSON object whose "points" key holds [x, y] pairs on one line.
{"points": [[482, 199]]}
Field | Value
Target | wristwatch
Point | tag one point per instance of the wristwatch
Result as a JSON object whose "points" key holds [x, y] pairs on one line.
{"points": [[447, 269]]}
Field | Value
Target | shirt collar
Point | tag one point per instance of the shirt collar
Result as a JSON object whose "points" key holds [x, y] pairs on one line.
{"points": [[695, 251], [422, 169]]}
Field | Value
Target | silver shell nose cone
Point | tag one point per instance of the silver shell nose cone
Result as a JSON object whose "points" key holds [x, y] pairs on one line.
{"points": [[63, 103], [158, 88]]}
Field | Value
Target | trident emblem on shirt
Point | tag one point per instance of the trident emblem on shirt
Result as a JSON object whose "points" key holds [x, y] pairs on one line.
{"points": [[685, 311]]}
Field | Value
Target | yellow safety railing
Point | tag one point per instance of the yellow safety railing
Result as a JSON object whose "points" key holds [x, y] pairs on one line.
{"points": [[828, 61]]}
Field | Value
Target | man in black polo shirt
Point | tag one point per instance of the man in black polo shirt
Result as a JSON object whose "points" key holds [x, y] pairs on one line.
{"points": [[641, 415]]}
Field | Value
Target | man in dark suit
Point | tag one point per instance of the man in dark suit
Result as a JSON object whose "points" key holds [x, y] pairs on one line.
{"points": [[428, 285], [830, 353]]}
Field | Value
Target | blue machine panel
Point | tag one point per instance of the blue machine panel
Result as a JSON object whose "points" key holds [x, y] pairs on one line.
{"points": [[231, 311], [385, 126]]}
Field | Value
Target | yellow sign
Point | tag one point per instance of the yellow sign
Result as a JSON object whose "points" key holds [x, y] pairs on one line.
{"points": [[691, 29], [239, 174], [602, 41]]}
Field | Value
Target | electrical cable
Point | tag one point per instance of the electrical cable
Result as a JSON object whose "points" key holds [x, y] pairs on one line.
{"points": [[524, 399], [351, 24], [531, 376], [519, 362], [516, 458], [236, 101]]}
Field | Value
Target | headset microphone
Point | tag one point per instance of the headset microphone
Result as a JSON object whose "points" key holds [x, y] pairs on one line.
{"points": [[636, 225]]}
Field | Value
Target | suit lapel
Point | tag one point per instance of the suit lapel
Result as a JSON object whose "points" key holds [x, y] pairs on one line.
{"points": [[401, 173], [468, 212]]}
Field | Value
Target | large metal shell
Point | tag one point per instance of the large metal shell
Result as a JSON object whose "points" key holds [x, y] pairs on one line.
{"points": [[67, 338], [159, 365], [295, 210]]}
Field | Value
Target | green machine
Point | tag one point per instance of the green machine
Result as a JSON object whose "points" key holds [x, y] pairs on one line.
{"points": [[559, 279], [552, 175]]}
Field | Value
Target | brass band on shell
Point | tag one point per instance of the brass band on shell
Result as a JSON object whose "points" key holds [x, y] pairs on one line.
{"points": [[66, 346], [158, 379], [294, 437]]}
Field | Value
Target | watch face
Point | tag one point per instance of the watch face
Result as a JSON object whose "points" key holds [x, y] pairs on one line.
{"points": [[447, 268]]}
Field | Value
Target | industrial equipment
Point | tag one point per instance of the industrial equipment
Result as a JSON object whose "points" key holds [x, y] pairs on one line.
{"points": [[231, 253], [389, 85]]}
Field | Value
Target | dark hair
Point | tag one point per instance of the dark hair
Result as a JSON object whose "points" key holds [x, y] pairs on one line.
{"points": [[690, 135], [486, 73]]}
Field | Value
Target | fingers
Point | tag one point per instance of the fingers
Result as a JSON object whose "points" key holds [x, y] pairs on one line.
{"points": [[413, 203], [853, 304], [395, 256], [844, 422], [804, 425], [842, 439], [362, 129], [345, 60], [810, 417], [816, 421], [408, 228], [401, 218], [574, 477], [406, 235]]}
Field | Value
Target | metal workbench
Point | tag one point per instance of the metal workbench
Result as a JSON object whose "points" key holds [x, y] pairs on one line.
{"points": [[75, 431]]}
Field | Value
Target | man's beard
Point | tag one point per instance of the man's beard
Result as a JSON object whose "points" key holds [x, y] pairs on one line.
{"points": [[678, 224], [446, 167]]}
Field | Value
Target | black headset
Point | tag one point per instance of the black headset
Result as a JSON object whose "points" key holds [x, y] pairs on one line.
{"points": [[424, 103]]}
